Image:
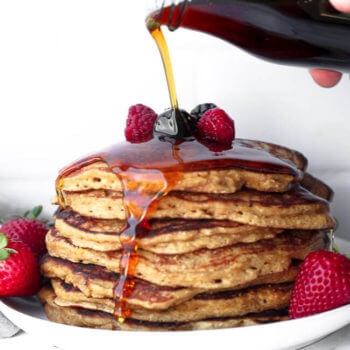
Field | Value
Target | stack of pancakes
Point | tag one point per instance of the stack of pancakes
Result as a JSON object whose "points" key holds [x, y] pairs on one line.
{"points": [[222, 248]]}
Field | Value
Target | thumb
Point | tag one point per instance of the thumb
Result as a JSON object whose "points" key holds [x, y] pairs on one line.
{"points": [[341, 5]]}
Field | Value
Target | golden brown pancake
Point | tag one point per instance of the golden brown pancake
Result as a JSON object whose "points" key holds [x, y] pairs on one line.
{"points": [[202, 306], [224, 267], [103, 320], [97, 282], [294, 209], [168, 236]]}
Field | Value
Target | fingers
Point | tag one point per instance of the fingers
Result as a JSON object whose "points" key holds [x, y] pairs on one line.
{"points": [[325, 78], [341, 5], [329, 78]]}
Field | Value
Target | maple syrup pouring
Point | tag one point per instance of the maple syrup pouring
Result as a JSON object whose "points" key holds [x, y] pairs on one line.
{"points": [[173, 122], [159, 38]]}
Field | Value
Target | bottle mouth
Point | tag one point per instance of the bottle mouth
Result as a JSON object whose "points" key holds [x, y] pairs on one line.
{"points": [[173, 11]]}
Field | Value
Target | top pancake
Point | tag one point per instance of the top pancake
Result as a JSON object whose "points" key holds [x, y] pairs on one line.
{"points": [[93, 172]]}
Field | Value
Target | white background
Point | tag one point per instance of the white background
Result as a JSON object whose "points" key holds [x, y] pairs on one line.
{"points": [[69, 70]]}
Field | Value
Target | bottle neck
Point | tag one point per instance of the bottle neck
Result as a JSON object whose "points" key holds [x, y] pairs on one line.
{"points": [[171, 10]]}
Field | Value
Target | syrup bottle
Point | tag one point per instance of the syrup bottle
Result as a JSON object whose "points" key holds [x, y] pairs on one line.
{"points": [[307, 33]]}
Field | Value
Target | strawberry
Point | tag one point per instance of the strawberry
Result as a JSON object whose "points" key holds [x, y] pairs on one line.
{"points": [[139, 124], [322, 283], [19, 269], [215, 125], [28, 229]]}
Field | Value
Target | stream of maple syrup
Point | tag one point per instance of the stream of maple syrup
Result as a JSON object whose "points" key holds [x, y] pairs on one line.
{"points": [[151, 169], [140, 201], [157, 34]]}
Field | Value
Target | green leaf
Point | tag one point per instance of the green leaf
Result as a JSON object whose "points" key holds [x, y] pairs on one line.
{"points": [[336, 248], [34, 213], [3, 241], [4, 254]]}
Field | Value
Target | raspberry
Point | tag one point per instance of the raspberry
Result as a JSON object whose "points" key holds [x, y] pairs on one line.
{"points": [[139, 124], [215, 125]]}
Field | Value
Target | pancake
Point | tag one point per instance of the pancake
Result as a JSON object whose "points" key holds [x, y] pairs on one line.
{"points": [[203, 306], [97, 319], [167, 236], [296, 209], [317, 187], [95, 174], [97, 282], [224, 267]]}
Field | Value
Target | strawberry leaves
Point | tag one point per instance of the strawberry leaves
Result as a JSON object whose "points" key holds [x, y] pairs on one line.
{"points": [[4, 250], [34, 213]]}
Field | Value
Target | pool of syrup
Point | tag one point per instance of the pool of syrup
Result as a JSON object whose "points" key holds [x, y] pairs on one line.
{"points": [[167, 155]]}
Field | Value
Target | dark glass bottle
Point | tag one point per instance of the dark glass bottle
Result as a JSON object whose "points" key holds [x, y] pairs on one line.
{"points": [[296, 32]]}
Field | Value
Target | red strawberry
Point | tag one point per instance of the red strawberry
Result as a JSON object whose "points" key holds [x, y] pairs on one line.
{"points": [[19, 269], [139, 124], [215, 125], [29, 230], [323, 283]]}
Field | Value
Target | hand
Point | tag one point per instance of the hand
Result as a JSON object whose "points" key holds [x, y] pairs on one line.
{"points": [[329, 78]]}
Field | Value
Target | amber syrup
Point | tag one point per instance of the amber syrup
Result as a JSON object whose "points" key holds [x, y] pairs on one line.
{"points": [[139, 200], [157, 34]]}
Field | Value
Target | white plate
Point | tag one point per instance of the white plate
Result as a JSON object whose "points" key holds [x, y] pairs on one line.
{"points": [[28, 315]]}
